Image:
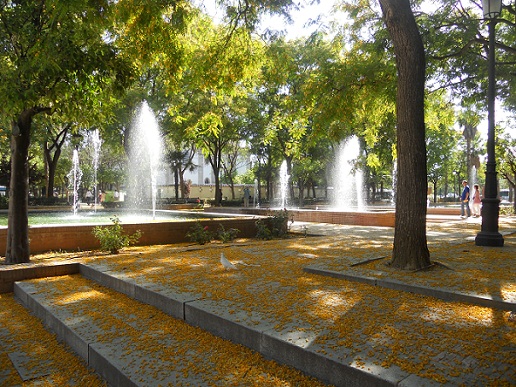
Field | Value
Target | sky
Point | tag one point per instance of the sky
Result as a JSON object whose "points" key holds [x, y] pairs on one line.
{"points": [[294, 30]]}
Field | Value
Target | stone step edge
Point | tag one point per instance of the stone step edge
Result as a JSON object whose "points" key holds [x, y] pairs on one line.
{"points": [[85, 350], [9, 275], [445, 295]]}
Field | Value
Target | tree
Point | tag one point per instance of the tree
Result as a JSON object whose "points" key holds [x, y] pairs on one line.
{"points": [[54, 58], [441, 139], [410, 250], [506, 152], [456, 39], [52, 151], [230, 160]]}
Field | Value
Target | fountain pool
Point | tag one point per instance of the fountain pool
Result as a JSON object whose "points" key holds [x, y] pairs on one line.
{"points": [[103, 217], [173, 229]]}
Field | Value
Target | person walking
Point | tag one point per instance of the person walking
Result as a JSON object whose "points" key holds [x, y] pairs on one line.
{"points": [[476, 200], [246, 196], [465, 210]]}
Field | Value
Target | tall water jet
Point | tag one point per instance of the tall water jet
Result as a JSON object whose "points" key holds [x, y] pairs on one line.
{"points": [[284, 183], [145, 149], [255, 196], [394, 181], [97, 143], [75, 177], [348, 179]]}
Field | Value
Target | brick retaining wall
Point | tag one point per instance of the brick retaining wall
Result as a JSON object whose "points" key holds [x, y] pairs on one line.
{"points": [[80, 237], [373, 218]]}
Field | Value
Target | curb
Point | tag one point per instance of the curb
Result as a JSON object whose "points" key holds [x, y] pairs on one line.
{"points": [[474, 299]]}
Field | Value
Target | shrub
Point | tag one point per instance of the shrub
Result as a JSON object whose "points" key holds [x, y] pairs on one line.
{"points": [[199, 234], [275, 226], [263, 231], [4, 202], [112, 238], [227, 235]]}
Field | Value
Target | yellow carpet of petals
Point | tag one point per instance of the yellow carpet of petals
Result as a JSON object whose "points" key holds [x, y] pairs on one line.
{"points": [[21, 332], [356, 323]]}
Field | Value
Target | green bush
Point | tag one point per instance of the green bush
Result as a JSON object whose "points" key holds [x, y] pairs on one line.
{"points": [[199, 234], [263, 231], [112, 238], [4, 202], [275, 226], [227, 235], [507, 210]]}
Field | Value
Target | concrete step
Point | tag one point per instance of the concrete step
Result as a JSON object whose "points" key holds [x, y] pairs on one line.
{"points": [[133, 343]]}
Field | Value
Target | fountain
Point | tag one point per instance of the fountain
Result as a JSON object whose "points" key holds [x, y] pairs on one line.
{"points": [[394, 181], [255, 196], [284, 183], [347, 178], [97, 143], [145, 149], [348, 187], [75, 177], [70, 233]]}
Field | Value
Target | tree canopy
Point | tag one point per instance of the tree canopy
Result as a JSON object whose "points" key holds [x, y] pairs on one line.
{"points": [[403, 79]]}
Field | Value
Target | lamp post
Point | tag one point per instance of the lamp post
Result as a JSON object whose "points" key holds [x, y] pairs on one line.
{"points": [[489, 235]]}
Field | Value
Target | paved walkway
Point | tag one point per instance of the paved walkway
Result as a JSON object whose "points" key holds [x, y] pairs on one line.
{"points": [[326, 304]]}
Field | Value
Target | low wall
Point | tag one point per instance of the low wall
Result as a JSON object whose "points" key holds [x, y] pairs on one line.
{"points": [[443, 210], [373, 218], [10, 274], [80, 237]]}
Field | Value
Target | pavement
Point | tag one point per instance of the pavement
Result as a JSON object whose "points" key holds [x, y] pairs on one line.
{"points": [[323, 302]]}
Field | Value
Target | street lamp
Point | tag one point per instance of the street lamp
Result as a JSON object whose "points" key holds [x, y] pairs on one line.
{"points": [[489, 235]]}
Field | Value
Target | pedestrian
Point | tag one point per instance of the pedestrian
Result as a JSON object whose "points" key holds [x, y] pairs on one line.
{"points": [[465, 210], [246, 196], [476, 200], [89, 196]]}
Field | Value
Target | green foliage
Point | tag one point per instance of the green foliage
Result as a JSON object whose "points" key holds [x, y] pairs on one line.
{"points": [[109, 197], [275, 226], [263, 231], [4, 202], [112, 238], [199, 234], [227, 235], [507, 210]]}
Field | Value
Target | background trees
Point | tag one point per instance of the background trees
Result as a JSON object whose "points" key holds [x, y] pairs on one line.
{"points": [[218, 86], [54, 61]]}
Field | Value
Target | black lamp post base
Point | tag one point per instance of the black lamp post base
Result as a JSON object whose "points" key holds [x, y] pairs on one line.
{"points": [[492, 239], [489, 235]]}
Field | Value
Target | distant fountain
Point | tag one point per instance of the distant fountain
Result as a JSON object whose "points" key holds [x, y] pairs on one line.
{"points": [[473, 176], [75, 177], [284, 183], [255, 196], [394, 181], [97, 143], [348, 180], [145, 148]]}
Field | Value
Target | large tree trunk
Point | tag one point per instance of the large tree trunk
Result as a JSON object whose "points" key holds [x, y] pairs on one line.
{"points": [[17, 250], [410, 250]]}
